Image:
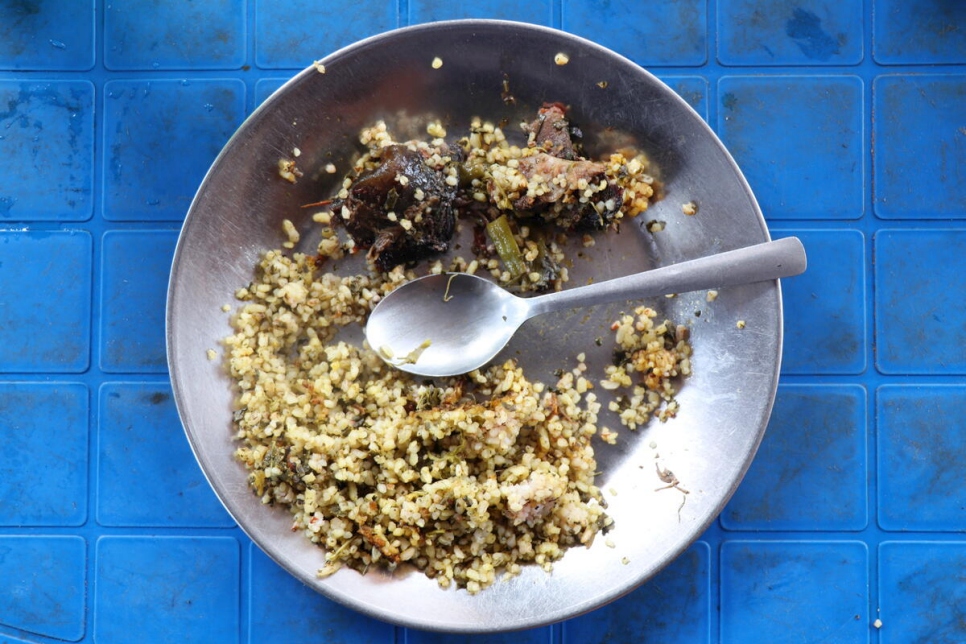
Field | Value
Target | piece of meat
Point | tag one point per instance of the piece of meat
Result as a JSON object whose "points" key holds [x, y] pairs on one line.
{"points": [[560, 176], [402, 188], [551, 132], [563, 183]]}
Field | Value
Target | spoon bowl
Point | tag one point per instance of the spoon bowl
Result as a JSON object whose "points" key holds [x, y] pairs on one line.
{"points": [[452, 323]]}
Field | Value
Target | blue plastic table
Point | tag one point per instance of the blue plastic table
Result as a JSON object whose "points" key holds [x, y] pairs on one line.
{"points": [[849, 120]]}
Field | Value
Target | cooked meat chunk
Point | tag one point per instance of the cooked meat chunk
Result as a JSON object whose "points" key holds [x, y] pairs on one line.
{"points": [[556, 179], [403, 200], [574, 194], [402, 210], [556, 182], [551, 131]]}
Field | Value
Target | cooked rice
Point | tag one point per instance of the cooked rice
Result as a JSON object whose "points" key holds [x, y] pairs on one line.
{"points": [[465, 478]]}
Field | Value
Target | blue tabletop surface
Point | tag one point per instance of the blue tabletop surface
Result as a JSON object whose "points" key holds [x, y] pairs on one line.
{"points": [[848, 118]]}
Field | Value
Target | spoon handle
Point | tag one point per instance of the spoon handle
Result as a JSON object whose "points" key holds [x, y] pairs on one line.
{"points": [[758, 263]]}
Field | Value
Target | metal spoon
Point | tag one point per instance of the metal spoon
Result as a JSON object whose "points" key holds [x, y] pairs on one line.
{"points": [[453, 323]]}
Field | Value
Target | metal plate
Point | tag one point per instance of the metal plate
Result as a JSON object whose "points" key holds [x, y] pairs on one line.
{"points": [[237, 214]]}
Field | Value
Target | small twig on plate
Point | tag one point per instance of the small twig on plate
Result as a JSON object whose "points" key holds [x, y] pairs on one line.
{"points": [[667, 476]]}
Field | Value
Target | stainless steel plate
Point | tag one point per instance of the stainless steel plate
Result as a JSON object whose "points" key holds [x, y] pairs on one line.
{"points": [[725, 405]]}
